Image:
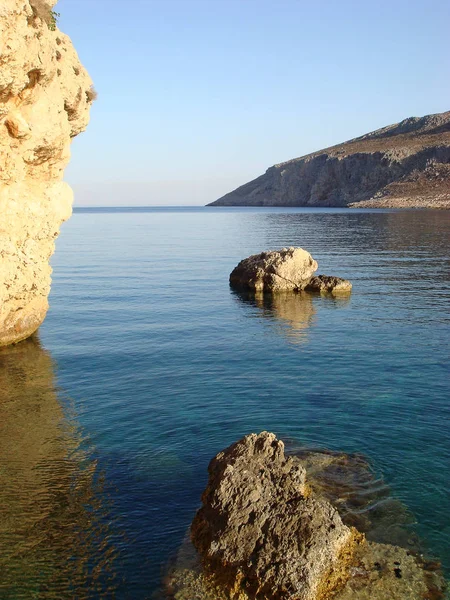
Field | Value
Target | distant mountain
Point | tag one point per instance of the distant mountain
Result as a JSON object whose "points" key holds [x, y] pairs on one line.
{"points": [[402, 165]]}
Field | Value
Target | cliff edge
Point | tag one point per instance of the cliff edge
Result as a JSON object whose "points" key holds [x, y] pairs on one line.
{"points": [[406, 165], [45, 97]]}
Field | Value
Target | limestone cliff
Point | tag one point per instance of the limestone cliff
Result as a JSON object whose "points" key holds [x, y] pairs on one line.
{"points": [[45, 97], [402, 165]]}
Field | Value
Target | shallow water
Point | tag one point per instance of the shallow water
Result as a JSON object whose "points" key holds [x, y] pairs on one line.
{"points": [[149, 364]]}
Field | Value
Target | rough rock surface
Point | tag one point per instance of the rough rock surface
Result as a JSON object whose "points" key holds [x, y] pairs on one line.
{"points": [[45, 97], [378, 572], [277, 271], [429, 188], [402, 165], [264, 532], [288, 269], [388, 566], [328, 283]]}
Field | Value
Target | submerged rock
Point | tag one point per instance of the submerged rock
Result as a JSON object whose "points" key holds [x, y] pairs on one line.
{"points": [[362, 497], [285, 270], [269, 528], [385, 572], [262, 530]]}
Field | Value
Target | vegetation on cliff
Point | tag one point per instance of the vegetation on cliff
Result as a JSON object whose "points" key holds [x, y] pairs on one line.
{"points": [[402, 165]]}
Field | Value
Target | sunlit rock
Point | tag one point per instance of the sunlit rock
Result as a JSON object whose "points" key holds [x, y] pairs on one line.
{"points": [[262, 530], [255, 521], [45, 97], [328, 284], [404, 165], [285, 270]]}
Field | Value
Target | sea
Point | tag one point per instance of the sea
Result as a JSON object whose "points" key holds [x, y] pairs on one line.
{"points": [[148, 364]]}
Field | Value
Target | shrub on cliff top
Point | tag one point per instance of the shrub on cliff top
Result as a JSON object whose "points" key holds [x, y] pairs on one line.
{"points": [[43, 11], [91, 94]]}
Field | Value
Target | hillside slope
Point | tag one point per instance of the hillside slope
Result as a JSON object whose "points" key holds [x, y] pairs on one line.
{"points": [[402, 165]]}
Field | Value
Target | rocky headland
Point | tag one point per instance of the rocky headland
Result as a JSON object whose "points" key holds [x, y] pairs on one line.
{"points": [[45, 97], [273, 526], [406, 165], [286, 270]]}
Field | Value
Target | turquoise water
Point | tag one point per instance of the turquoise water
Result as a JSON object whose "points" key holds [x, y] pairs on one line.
{"points": [[149, 364]]}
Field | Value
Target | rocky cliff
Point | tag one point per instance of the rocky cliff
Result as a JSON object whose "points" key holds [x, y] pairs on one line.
{"points": [[45, 97], [402, 165]]}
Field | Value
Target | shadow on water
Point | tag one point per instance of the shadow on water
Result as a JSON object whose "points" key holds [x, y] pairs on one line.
{"points": [[294, 313], [53, 527]]}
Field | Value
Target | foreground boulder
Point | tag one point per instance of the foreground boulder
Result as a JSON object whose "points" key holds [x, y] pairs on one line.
{"points": [[263, 532], [45, 98], [285, 270]]}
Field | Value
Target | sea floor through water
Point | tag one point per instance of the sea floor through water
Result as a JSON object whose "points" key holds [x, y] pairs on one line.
{"points": [[148, 364]]}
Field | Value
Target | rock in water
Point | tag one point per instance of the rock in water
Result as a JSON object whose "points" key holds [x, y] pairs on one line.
{"points": [[327, 283], [288, 269], [45, 97], [263, 532], [278, 270]]}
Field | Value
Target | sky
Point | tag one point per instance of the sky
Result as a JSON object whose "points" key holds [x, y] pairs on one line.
{"points": [[197, 97]]}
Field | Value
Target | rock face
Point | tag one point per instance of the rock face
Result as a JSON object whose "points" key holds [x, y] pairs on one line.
{"points": [[402, 165], [45, 97], [285, 270], [264, 531], [328, 284], [269, 528]]}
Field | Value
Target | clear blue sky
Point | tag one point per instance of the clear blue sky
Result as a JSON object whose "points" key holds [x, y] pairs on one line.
{"points": [[199, 96]]}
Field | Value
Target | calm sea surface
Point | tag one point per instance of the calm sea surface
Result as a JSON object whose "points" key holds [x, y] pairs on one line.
{"points": [[148, 364]]}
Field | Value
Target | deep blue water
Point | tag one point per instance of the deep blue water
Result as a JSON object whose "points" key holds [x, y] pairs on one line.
{"points": [[149, 364]]}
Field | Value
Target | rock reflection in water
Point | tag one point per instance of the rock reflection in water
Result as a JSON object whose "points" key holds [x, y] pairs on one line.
{"points": [[295, 311], [52, 537]]}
